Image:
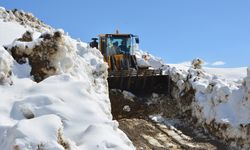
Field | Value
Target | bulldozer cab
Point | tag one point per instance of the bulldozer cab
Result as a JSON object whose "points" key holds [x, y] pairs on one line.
{"points": [[113, 44], [118, 50]]}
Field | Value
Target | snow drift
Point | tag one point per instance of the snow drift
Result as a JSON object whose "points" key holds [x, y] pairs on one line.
{"points": [[54, 92]]}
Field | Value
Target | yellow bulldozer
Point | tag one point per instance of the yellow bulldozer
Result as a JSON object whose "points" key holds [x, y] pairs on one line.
{"points": [[124, 72]]}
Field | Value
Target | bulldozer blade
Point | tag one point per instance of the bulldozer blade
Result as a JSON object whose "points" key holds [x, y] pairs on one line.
{"points": [[141, 84]]}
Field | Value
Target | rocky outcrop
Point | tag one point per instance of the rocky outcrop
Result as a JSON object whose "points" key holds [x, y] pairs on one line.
{"points": [[23, 18]]}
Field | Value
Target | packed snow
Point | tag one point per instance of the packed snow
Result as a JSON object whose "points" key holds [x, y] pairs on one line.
{"points": [[69, 107]]}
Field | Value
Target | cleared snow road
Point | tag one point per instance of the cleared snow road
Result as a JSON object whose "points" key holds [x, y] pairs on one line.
{"points": [[148, 131]]}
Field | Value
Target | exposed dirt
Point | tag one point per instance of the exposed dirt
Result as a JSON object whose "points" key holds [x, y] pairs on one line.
{"points": [[40, 56], [145, 135], [173, 132]]}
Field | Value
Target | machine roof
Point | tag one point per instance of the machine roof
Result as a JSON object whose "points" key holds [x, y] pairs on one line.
{"points": [[124, 35]]}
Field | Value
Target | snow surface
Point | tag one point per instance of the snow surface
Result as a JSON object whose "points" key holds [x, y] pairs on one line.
{"points": [[68, 110], [6, 36], [6, 64], [232, 74]]}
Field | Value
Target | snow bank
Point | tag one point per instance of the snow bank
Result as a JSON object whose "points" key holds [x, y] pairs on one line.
{"points": [[219, 105], [67, 107], [82, 111], [75, 91]]}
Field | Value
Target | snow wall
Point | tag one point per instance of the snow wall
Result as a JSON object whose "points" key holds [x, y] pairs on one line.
{"points": [[220, 106], [54, 91]]}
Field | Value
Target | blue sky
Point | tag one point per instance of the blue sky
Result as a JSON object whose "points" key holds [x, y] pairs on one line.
{"points": [[175, 30]]}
